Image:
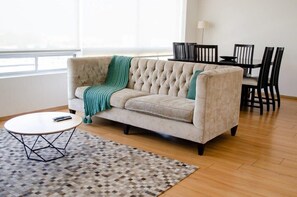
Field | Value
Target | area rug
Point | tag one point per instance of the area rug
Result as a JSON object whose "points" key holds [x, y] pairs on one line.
{"points": [[93, 167]]}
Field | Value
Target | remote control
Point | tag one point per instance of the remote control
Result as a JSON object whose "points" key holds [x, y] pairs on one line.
{"points": [[61, 118]]}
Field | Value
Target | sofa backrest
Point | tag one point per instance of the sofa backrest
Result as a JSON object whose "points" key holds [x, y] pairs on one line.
{"points": [[164, 77]]}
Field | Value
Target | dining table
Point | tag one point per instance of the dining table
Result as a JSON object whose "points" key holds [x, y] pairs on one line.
{"points": [[256, 63]]}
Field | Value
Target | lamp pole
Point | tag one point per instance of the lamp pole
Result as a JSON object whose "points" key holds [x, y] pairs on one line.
{"points": [[202, 35], [202, 25]]}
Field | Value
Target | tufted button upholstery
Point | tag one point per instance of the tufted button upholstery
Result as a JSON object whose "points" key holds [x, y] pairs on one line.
{"points": [[163, 77]]}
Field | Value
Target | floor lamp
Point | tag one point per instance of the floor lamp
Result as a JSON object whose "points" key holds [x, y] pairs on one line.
{"points": [[202, 25]]}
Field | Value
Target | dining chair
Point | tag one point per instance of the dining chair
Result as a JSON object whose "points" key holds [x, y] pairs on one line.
{"points": [[273, 81], [179, 50], [206, 53], [190, 47], [257, 84], [244, 54]]}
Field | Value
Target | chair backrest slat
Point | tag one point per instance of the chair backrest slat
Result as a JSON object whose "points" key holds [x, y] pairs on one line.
{"points": [[190, 50], [244, 53], [265, 67], [206, 53], [276, 65], [179, 51]]}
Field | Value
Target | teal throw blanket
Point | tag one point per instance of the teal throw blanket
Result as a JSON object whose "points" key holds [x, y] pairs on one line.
{"points": [[97, 98]]}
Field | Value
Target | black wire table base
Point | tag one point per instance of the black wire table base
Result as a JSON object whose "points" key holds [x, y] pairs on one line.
{"points": [[61, 152]]}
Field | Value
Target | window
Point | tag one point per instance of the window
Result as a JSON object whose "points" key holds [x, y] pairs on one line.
{"points": [[136, 27]]}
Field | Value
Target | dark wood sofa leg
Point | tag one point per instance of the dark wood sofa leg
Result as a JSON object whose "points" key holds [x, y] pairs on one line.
{"points": [[72, 111], [126, 129], [233, 130], [201, 149]]}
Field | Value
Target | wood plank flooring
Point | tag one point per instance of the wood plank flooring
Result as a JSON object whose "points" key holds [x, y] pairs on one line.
{"points": [[261, 160]]}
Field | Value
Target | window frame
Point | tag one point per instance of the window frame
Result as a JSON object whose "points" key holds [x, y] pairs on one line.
{"points": [[36, 54]]}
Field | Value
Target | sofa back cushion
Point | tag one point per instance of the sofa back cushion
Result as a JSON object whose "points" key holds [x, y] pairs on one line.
{"points": [[164, 77]]}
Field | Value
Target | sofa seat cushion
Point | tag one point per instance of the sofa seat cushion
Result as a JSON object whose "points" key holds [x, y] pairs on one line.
{"points": [[171, 107], [117, 99]]}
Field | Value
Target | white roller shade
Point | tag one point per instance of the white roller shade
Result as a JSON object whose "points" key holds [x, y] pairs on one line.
{"points": [[39, 25], [130, 26]]}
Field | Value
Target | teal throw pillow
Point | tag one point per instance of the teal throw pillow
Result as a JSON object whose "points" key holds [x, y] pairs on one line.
{"points": [[192, 87]]}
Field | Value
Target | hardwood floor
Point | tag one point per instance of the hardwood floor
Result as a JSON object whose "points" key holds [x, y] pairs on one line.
{"points": [[261, 160]]}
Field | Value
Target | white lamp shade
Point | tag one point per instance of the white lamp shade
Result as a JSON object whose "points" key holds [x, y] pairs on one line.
{"points": [[202, 24]]}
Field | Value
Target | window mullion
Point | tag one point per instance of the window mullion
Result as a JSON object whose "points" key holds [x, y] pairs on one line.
{"points": [[36, 63]]}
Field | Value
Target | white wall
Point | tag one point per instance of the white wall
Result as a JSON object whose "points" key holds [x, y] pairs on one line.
{"points": [[30, 93], [191, 31], [261, 22]]}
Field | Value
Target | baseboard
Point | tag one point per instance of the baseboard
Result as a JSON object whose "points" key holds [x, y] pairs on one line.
{"points": [[282, 96], [4, 118], [289, 97]]}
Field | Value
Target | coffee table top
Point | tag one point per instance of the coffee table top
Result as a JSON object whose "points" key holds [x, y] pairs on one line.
{"points": [[41, 123]]}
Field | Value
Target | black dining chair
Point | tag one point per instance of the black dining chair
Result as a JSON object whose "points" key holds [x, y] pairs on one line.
{"points": [[206, 53], [179, 51], [190, 47], [253, 84], [273, 80], [244, 54]]}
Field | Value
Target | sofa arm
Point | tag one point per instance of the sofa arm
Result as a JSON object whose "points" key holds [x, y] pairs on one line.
{"points": [[217, 103], [86, 71]]}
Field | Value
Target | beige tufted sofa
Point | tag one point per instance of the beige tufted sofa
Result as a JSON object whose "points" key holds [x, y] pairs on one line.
{"points": [[155, 97]]}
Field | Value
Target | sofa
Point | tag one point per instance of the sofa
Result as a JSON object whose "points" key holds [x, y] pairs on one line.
{"points": [[156, 96]]}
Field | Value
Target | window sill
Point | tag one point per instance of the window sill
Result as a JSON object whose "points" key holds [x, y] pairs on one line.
{"points": [[31, 74]]}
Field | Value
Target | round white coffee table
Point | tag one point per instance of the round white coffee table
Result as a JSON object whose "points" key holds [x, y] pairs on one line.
{"points": [[41, 125]]}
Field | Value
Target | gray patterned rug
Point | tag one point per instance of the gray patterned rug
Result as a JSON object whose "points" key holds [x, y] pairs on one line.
{"points": [[93, 167]]}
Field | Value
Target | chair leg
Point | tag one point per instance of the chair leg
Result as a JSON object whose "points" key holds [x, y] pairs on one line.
{"points": [[247, 96], [260, 100], [267, 97], [278, 96], [272, 97], [243, 97], [253, 97]]}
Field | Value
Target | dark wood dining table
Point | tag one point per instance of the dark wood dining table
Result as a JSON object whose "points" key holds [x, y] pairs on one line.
{"points": [[256, 63]]}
